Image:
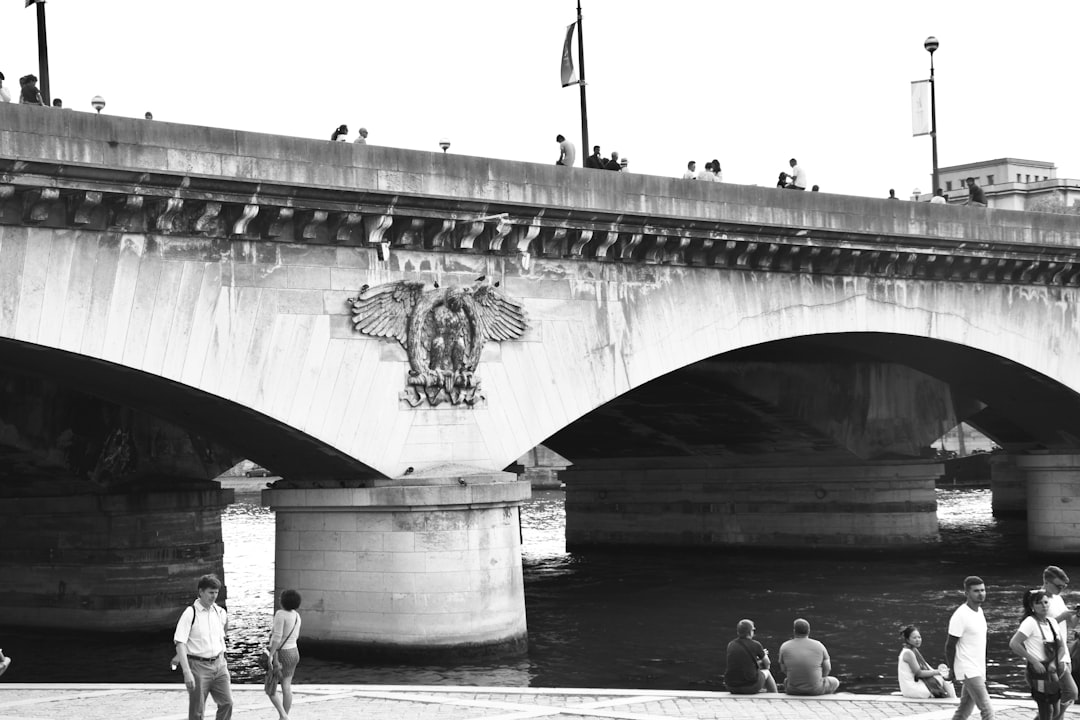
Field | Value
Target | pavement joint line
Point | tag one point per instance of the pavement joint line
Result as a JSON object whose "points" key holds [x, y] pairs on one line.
{"points": [[58, 698], [26, 717], [209, 703], [490, 704], [523, 711]]}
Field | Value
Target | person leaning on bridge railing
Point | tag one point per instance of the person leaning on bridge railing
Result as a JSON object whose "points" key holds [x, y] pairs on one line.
{"points": [[5, 662]]}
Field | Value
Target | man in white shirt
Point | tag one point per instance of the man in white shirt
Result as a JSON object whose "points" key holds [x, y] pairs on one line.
{"points": [[1054, 583], [5, 96], [567, 151], [200, 648], [691, 171], [965, 650], [939, 197], [796, 178]]}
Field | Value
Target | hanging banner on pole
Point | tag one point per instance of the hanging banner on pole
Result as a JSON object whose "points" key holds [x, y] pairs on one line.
{"points": [[920, 107], [569, 72]]}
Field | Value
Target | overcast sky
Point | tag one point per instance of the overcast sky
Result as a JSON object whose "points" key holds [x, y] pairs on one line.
{"points": [[749, 83]]}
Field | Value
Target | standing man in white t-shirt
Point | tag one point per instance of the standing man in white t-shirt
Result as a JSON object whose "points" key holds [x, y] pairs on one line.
{"points": [[1054, 583], [965, 650]]}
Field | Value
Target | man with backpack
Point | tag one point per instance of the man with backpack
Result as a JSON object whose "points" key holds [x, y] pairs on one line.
{"points": [[200, 649]]}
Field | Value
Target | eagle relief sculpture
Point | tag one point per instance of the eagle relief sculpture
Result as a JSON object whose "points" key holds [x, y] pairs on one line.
{"points": [[442, 330]]}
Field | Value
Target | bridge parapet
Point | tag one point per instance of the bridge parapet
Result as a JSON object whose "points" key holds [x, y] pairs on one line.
{"points": [[104, 173]]}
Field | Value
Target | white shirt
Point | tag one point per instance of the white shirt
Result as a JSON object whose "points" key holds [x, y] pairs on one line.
{"points": [[1036, 635], [1057, 607], [798, 177], [5, 96], [287, 628], [970, 626], [690, 175], [938, 199], [205, 637]]}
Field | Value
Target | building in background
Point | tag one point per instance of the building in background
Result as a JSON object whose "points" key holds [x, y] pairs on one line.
{"points": [[1011, 184]]}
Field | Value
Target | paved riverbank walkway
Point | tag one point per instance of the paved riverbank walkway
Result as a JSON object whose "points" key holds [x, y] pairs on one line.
{"points": [[378, 702]]}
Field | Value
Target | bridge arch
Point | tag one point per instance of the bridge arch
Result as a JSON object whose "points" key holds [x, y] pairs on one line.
{"points": [[1013, 332]]}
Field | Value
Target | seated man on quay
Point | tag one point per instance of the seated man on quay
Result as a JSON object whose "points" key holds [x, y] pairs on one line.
{"points": [[806, 663], [747, 663]]}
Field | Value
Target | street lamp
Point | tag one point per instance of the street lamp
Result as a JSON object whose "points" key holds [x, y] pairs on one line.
{"points": [[931, 44], [444, 144], [98, 102]]}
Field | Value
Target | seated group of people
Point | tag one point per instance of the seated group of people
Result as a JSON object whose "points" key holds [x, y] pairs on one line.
{"points": [[806, 664], [804, 661]]}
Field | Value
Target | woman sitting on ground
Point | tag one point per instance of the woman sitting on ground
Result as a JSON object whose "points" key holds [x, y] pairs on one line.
{"points": [[917, 679]]}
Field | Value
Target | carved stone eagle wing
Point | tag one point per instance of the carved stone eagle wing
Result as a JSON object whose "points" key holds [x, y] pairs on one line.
{"points": [[495, 316], [384, 310]]}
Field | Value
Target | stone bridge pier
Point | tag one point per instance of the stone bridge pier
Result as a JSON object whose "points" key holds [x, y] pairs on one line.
{"points": [[106, 513], [1043, 487], [427, 569]]}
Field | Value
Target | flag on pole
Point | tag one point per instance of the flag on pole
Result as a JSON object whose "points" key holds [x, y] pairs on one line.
{"points": [[920, 107], [569, 72]]}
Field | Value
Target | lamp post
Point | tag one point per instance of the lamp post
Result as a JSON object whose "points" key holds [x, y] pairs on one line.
{"points": [[98, 103], [931, 44], [445, 145]]}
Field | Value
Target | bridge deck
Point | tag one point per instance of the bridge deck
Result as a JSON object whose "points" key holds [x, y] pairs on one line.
{"points": [[334, 702]]}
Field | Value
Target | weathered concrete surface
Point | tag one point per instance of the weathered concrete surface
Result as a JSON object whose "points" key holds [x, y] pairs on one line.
{"points": [[405, 571], [680, 502], [1052, 483], [113, 562], [211, 323], [115, 143]]}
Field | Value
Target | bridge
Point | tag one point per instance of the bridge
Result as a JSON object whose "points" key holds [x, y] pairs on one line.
{"points": [[726, 366]]}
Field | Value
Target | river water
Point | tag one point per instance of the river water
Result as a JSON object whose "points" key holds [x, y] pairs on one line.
{"points": [[628, 619]]}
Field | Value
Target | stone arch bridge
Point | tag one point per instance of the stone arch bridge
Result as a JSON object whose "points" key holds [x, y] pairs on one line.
{"points": [[388, 330]]}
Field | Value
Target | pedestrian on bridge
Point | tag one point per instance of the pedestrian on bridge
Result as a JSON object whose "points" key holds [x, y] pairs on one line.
{"points": [[5, 662], [5, 96], [30, 95], [596, 160], [567, 151], [976, 196], [691, 171], [796, 179], [341, 134], [361, 139]]}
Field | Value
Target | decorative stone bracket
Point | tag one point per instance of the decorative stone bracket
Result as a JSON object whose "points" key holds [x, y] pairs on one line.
{"points": [[531, 234]]}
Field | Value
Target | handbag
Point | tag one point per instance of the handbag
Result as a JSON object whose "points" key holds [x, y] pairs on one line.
{"points": [[935, 684], [1047, 682], [263, 658]]}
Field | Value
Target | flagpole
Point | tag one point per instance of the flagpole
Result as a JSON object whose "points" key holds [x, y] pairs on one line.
{"points": [[581, 84], [43, 52]]}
